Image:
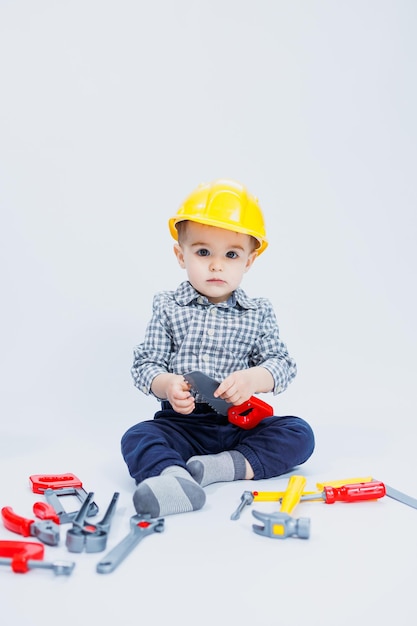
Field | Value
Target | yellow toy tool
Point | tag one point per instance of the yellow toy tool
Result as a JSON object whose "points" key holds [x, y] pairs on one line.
{"points": [[292, 494], [281, 525]]}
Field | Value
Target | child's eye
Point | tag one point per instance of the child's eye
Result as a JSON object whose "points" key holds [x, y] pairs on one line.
{"points": [[203, 252], [231, 254]]}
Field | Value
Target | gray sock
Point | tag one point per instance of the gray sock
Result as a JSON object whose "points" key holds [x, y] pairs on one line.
{"points": [[174, 491], [216, 468]]}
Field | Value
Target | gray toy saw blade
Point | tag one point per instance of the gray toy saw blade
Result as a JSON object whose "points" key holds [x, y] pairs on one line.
{"points": [[205, 387], [400, 496]]}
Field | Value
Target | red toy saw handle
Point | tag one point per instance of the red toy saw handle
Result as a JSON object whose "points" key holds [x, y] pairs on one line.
{"points": [[40, 482], [250, 413], [15, 523]]}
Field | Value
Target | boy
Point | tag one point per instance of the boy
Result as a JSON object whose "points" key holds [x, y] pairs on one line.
{"points": [[209, 324]]}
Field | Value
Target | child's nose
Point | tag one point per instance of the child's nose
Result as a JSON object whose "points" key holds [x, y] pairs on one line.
{"points": [[215, 264]]}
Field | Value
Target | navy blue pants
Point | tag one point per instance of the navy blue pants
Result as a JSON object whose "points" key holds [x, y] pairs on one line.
{"points": [[273, 447]]}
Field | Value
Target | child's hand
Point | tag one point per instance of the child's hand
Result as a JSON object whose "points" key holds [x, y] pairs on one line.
{"points": [[236, 388], [176, 390], [241, 385], [179, 396]]}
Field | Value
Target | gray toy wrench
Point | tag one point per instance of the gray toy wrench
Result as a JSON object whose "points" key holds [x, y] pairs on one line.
{"points": [[140, 526]]}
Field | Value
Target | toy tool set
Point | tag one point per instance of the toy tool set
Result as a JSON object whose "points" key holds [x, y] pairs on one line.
{"points": [[280, 524], [87, 536], [83, 536]]}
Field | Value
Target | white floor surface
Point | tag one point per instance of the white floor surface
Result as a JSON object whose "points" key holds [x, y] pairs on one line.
{"points": [[358, 566]]}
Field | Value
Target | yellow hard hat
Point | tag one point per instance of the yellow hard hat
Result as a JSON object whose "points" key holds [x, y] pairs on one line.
{"points": [[225, 204]]}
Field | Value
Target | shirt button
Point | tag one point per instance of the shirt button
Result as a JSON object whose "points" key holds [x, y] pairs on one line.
{"points": [[205, 357], [200, 299], [145, 389], [213, 311], [210, 332]]}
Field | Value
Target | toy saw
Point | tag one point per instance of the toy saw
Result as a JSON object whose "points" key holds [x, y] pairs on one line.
{"points": [[246, 415]]}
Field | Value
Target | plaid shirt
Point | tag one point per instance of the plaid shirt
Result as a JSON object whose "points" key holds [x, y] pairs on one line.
{"points": [[188, 333]]}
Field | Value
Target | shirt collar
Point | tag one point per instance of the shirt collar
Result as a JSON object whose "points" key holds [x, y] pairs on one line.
{"points": [[185, 294]]}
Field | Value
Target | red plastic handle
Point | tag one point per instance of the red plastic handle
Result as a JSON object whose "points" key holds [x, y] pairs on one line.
{"points": [[20, 552], [39, 483], [43, 510], [250, 413], [354, 493], [15, 523]]}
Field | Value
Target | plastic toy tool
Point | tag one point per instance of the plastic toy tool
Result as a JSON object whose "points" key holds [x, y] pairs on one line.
{"points": [[141, 526], [87, 536], [246, 415], [281, 525], [23, 556], [53, 486], [349, 493], [389, 491], [46, 530]]}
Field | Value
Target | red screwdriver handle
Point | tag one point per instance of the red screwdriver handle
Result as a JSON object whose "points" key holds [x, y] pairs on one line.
{"points": [[354, 493], [250, 413], [15, 523]]}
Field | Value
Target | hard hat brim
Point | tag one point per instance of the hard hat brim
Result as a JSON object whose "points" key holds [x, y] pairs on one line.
{"points": [[263, 243]]}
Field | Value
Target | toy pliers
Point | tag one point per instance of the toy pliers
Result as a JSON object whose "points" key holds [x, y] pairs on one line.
{"points": [[45, 530]]}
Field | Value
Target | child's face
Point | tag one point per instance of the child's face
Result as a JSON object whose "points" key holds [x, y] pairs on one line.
{"points": [[215, 259]]}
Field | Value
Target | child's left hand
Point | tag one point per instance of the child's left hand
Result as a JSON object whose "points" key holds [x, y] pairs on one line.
{"points": [[236, 388], [241, 385]]}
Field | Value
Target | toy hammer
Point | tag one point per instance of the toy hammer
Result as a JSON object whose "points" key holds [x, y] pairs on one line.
{"points": [[281, 525]]}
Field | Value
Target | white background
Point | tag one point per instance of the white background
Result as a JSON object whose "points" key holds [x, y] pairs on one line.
{"points": [[110, 114]]}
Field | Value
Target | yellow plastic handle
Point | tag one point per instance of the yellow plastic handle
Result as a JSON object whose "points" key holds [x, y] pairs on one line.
{"points": [[274, 496], [267, 496], [344, 481], [293, 493]]}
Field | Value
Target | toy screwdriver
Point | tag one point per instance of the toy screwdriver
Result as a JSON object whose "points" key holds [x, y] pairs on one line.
{"points": [[274, 496], [349, 493]]}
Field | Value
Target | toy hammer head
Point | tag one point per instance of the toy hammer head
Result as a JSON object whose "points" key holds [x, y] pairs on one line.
{"points": [[281, 525]]}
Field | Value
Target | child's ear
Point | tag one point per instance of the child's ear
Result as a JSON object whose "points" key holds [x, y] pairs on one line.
{"points": [[179, 254], [251, 259]]}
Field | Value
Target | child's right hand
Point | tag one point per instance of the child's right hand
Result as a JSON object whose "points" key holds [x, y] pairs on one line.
{"points": [[175, 389], [179, 396]]}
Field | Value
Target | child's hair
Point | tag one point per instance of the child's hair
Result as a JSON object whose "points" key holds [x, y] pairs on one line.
{"points": [[182, 227]]}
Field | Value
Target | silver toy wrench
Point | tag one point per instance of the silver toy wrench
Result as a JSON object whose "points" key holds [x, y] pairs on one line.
{"points": [[140, 526]]}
